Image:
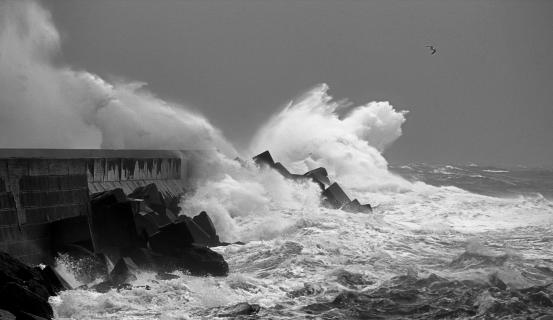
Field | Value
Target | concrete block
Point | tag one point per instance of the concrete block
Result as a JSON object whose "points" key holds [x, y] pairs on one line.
{"points": [[8, 218], [39, 167], [7, 201], [264, 158], [334, 196], [58, 167], [36, 215]]}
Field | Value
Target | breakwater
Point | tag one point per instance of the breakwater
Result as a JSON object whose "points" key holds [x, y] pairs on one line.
{"points": [[44, 194]]}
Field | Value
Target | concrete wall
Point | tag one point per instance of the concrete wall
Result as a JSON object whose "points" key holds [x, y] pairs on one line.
{"points": [[39, 187]]}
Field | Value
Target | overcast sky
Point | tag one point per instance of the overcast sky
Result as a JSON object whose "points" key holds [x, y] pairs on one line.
{"points": [[485, 97]]}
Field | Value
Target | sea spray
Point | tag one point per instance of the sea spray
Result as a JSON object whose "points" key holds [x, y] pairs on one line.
{"points": [[309, 133], [46, 104]]}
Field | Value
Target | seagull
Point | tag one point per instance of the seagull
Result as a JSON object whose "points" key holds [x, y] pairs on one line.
{"points": [[432, 49]]}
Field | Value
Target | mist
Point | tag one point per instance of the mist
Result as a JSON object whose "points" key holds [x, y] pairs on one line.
{"points": [[47, 105]]}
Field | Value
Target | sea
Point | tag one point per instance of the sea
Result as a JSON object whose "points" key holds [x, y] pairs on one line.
{"points": [[470, 242]]}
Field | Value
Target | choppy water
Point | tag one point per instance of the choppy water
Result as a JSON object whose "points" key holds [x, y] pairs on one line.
{"points": [[434, 253]]}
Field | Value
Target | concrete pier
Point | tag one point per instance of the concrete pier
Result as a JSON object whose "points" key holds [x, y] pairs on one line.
{"points": [[44, 193]]}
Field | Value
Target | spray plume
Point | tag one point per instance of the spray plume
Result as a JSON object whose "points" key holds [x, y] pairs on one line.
{"points": [[48, 106], [309, 133]]}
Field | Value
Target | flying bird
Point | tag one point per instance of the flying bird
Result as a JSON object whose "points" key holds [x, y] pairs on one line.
{"points": [[432, 49]]}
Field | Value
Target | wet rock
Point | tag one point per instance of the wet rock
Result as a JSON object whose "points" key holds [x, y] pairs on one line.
{"points": [[197, 260], [6, 315], [148, 221], [264, 158], [144, 258], [170, 238], [280, 168], [355, 207], [335, 197], [199, 236], [14, 271], [56, 282], [16, 298], [125, 270], [107, 198], [28, 316], [85, 265], [204, 221], [151, 195], [114, 227], [240, 309], [320, 176]]}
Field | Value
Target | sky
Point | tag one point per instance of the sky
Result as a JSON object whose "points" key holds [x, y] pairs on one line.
{"points": [[486, 96]]}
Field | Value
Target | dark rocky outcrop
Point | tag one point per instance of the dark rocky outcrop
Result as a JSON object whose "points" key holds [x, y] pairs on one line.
{"points": [[319, 176], [331, 193], [113, 223], [198, 260], [151, 195], [54, 279], [199, 236], [125, 270], [204, 222], [264, 158], [6, 315], [335, 197], [355, 207], [17, 298], [171, 237], [24, 289]]}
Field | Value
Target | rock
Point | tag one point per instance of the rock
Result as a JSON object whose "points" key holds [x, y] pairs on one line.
{"points": [[170, 238], [13, 270], [16, 298], [199, 236], [28, 316], [114, 228], [280, 168], [148, 221], [198, 260], [240, 309], [319, 176], [125, 270], [334, 196], [107, 198], [264, 158], [144, 258], [204, 221], [6, 315], [56, 281], [355, 207], [151, 195], [87, 266]]}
